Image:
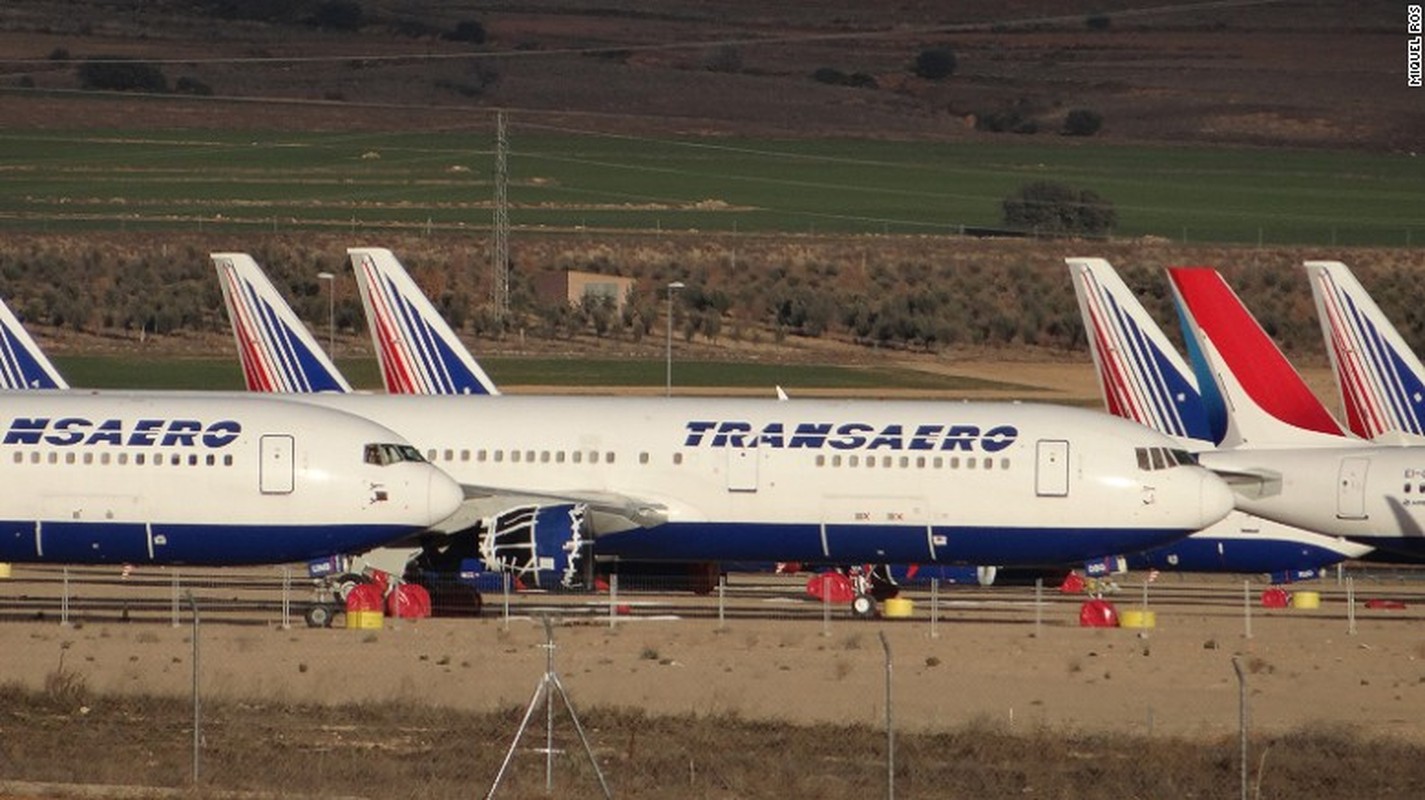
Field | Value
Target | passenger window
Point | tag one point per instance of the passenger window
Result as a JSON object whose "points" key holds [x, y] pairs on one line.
{"points": [[1142, 453], [609, 457], [138, 459], [578, 456], [677, 458], [853, 461], [643, 458], [481, 455], [836, 461], [104, 458], [821, 461], [969, 463], [464, 455], [499, 456], [559, 457], [514, 456], [19, 457], [228, 460], [593, 456], [123, 459], [544, 456]]}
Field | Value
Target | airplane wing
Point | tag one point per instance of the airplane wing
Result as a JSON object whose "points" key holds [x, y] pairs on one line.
{"points": [[638, 512]]}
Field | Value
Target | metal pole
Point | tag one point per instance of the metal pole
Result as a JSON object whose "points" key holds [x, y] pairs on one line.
{"points": [[825, 605], [613, 599], [1242, 718], [197, 702], [722, 602], [1247, 606], [890, 726], [1038, 606], [934, 607], [286, 598], [331, 311], [1351, 606], [668, 356], [505, 593]]}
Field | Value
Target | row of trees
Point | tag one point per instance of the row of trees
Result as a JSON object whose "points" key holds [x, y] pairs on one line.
{"points": [[912, 292]]}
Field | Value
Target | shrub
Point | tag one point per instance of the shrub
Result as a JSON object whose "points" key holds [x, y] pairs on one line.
{"points": [[936, 63], [187, 85], [1015, 119], [726, 58], [121, 75], [1082, 122], [467, 30], [1048, 207], [339, 15]]}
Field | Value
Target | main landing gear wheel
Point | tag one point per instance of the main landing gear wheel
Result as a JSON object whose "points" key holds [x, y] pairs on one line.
{"points": [[319, 615], [863, 606]]}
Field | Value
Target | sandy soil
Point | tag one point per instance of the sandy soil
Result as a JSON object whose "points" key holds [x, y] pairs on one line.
{"points": [[988, 661]]}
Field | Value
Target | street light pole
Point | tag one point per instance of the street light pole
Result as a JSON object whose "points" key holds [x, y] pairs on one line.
{"points": [[672, 287], [331, 312]]}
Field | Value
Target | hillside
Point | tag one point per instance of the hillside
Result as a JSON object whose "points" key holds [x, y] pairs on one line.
{"points": [[1298, 73]]}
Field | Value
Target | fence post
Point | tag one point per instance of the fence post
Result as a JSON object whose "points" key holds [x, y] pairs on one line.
{"points": [[505, 597], [890, 726], [286, 598], [64, 601], [825, 605], [1038, 606], [1351, 606], [613, 600], [1247, 607], [1242, 718], [722, 602], [934, 607]]}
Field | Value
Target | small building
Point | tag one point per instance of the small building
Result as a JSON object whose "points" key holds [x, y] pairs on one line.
{"points": [[573, 286]]}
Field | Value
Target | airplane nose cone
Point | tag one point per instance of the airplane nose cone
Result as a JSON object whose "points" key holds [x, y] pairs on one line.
{"points": [[443, 495], [1216, 499]]}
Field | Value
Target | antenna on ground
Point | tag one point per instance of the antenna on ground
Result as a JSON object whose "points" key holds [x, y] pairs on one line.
{"points": [[548, 684]]}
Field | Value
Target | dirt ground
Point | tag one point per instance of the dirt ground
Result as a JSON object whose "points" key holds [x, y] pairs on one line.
{"points": [[984, 659]]}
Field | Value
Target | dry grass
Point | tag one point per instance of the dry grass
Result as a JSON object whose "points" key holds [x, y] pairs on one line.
{"points": [[399, 750]]}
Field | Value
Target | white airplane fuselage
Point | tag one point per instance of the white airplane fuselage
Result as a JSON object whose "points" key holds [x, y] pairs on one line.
{"points": [[1369, 494], [854, 481], [168, 478]]}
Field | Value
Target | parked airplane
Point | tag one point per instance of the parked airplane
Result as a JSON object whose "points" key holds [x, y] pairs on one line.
{"points": [[418, 351], [823, 481], [167, 478], [1144, 379], [1381, 380], [22, 364], [277, 352], [1284, 455]]}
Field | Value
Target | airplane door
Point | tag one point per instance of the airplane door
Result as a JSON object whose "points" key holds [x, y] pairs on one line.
{"points": [[742, 469], [1351, 488], [275, 466], [1051, 471]]}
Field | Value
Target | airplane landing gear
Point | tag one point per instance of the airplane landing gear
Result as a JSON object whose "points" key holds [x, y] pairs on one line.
{"points": [[863, 606]]}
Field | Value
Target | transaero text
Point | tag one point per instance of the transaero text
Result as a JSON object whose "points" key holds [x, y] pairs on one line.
{"points": [[68, 431], [849, 436]]}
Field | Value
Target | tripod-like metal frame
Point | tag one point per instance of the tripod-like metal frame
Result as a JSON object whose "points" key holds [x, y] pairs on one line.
{"points": [[549, 684]]}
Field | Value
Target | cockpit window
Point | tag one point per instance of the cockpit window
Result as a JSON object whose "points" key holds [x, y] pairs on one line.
{"points": [[1151, 459], [382, 454]]}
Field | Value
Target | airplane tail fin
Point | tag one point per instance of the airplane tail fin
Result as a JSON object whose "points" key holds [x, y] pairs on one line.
{"points": [[22, 364], [277, 351], [1381, 380], [418, 351], [1140, 372], [1266, 401]]}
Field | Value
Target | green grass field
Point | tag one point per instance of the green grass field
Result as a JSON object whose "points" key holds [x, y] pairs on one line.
{"points": [[125, 372], [233, 182]]}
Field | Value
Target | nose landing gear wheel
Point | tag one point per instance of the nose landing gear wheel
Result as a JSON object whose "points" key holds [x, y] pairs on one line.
{"points": [[863, 606]]}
